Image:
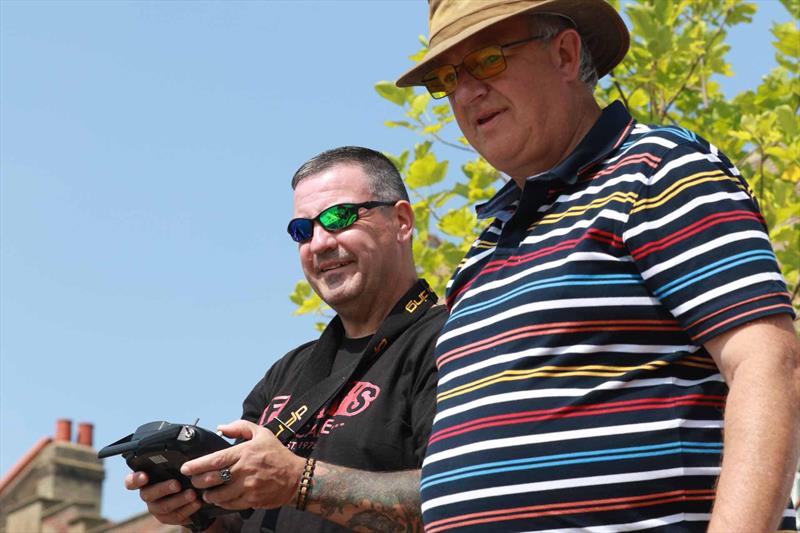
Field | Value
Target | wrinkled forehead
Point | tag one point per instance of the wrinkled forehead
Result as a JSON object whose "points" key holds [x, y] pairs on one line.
{"points": [[340, 184]]}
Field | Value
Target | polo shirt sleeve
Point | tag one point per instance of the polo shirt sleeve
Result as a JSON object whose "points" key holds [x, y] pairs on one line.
{"points": [[701, 245], [423, 409], [423, 393]]}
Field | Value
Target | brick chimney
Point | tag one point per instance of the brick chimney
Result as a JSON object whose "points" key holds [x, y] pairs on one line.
{"points": [[64, 430], [57, 486], [85, 434]]}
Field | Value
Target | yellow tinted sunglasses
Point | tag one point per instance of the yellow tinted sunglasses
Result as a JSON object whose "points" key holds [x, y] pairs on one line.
{"points": [[481, 64]]}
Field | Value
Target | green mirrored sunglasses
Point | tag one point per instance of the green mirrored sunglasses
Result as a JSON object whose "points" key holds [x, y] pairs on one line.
{"points": [[334, 218]]}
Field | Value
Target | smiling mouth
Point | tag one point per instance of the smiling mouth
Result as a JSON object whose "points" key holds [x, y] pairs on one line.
{"points": [[333, 266]]}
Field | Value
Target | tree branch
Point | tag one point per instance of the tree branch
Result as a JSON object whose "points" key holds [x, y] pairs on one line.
{"points": [[697, 61], [744, 159], [421, 197], [452, 144], [621, 94], [437, 137]]}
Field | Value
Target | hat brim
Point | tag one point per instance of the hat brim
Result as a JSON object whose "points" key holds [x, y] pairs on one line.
{"points": [[598, 23]]}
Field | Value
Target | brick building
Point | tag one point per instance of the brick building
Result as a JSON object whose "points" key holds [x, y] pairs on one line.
{"points": [[56, 488]]}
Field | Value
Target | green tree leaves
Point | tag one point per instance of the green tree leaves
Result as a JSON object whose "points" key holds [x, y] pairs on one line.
{"points": [[426, 171], [394, 94]]}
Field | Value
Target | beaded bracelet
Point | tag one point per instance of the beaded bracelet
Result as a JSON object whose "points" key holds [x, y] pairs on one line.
{"points": [[305, 483]]}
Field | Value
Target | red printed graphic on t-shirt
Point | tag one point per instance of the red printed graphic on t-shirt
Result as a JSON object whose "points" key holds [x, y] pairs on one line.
{"points": [[357, 400], [273, 409]]}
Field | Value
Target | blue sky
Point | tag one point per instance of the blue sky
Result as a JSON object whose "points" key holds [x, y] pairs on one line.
{"points": [[146, 150]]}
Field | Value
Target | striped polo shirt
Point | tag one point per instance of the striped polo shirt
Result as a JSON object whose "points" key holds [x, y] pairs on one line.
{"points": [[574, 390]]}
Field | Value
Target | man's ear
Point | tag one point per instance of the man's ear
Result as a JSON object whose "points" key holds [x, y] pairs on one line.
{"points": [[566, 53], [405, 220]]}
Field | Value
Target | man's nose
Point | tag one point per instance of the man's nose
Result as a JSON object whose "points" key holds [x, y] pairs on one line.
{"points": [[468, 88], [321, 239]]}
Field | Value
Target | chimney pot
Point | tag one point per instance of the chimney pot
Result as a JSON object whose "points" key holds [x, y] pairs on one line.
{"points": [[85, 433], [64, 430]]}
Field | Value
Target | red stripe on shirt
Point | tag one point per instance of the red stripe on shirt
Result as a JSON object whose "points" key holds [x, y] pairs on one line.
{"points": [[493, 266], [580, 410], [534, 511], [693, 229]]}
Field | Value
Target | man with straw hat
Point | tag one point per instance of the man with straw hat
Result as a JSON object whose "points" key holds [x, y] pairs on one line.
{"points": [[622, 305]]}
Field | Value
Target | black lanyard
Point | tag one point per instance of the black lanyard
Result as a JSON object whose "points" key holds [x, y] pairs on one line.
{"points": [[317, 387]]}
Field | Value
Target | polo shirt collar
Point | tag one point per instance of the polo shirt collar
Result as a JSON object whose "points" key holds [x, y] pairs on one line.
{"points": [[611, 128]]}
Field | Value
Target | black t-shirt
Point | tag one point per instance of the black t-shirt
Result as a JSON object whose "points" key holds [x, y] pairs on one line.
{"points": [[381, 422], [348, 350]]}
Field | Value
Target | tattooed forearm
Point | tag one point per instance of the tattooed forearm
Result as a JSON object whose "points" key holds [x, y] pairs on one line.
{"points": [[367, 501]]}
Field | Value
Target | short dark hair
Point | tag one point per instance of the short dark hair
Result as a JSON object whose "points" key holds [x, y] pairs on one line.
{"points": [[384, 179]]}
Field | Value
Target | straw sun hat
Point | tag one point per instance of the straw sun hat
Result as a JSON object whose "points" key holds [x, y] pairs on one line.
{"points": [[453, 21]]}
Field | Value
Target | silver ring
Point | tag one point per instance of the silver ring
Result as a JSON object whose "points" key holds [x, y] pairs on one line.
{"points": [[225, 475]]}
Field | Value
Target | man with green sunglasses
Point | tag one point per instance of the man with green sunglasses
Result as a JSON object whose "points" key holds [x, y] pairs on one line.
{"points": [[348, 416]]}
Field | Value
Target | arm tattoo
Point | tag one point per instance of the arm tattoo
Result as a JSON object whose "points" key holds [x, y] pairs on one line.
{"points": [[367, 501]]}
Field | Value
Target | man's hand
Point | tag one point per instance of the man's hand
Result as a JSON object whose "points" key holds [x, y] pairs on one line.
{"points": [[264, 474], [165, 500]]}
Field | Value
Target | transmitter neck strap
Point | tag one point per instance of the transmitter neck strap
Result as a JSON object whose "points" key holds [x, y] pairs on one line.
{"points": [[317, 387]]}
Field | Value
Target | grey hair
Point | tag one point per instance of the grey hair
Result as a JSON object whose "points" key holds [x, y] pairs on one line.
{"points": [[549, 25], [384, 179]]}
